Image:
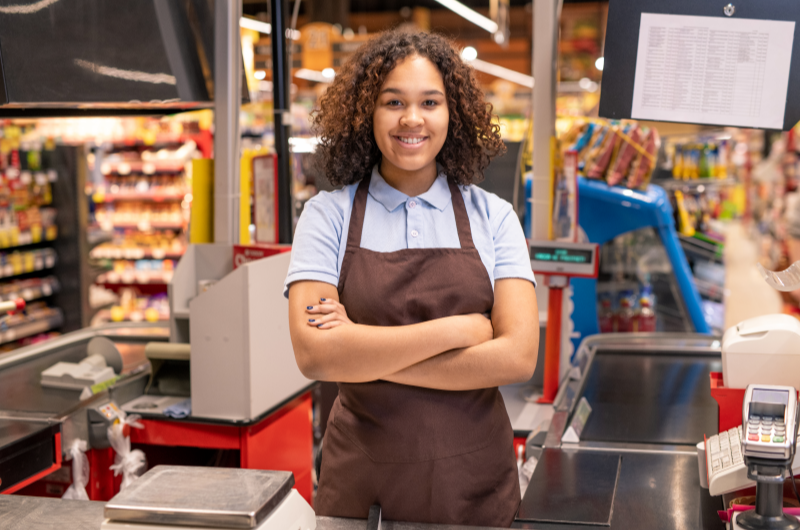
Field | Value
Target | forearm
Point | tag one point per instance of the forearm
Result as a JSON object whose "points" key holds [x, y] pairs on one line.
{"points": [[358, 353], [493, 363], [510, 357]]}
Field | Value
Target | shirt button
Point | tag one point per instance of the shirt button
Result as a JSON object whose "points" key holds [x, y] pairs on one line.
{"points": [[414, 233], [412, 204]]}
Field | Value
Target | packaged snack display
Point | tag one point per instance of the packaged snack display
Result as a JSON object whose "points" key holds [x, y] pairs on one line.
{"points": [[621, 153]]}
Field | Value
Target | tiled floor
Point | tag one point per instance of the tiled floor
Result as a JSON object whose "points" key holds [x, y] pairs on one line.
{"points": [[748, 294]]}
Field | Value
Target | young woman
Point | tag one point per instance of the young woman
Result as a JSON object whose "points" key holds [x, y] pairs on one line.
{"points": [[412, 289]]}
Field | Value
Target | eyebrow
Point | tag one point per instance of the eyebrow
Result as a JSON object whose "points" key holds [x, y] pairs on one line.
{"points": [[426, 93]]}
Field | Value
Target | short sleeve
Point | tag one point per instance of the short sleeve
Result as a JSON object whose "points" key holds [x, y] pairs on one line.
{"points": [[317, 238], [510, 247]]}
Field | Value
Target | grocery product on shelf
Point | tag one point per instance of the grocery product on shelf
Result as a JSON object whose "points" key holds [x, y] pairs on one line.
{"points": [[27, 229], [619, 152], [140, 200]]}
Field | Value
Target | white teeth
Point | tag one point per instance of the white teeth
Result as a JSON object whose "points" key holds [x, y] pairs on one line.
{"points": [[410, 140]]}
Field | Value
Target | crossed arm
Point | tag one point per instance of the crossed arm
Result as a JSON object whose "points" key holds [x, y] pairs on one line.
{"points": [[462, 352]]}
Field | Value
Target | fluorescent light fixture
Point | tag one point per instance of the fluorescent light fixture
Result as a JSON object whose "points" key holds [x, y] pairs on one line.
{"points": [[257, 25], [473, 16], [312, 75], [260, 74], [328, 73], [469, 54], [599, 63], [502, 72]]}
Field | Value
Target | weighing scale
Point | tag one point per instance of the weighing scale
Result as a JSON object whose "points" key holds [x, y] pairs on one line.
{"points": [[558, 261], [193, 498]]}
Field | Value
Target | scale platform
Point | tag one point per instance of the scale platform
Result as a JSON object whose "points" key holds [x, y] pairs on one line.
{"points": [[170, 497]]}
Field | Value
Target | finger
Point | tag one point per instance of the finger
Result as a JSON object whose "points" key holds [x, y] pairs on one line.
{"points": [[331, 325], [322, 309], [322, 319]]}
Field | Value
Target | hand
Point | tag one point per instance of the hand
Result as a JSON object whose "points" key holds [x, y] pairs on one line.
{"points": [[328, 314], [479, 329]]}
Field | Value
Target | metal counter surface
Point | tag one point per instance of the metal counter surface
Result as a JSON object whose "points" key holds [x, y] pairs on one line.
{"points": [[655, 491], [39, 513], [21, 389], [641, 397]]}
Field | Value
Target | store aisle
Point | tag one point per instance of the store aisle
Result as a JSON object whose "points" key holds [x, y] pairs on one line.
{"points": [[748, 294]]}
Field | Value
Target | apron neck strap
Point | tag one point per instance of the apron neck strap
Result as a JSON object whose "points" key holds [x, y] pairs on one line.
{"points": [[360, 206], [462, 219]]}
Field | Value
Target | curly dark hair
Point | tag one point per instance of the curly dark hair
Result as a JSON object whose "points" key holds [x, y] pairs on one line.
{"points": [[347, 151]]}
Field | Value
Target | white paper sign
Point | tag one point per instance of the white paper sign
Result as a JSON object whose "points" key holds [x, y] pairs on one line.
{"points": [[714, 70]]}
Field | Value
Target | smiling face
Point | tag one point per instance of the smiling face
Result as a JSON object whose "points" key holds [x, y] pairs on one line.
{"points": [[411, 118]]}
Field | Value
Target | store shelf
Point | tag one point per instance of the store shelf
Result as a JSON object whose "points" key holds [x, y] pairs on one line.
{"points": [[693, 185], [135, 278], [710, 290], [10, 240], [32, 327], [151, 167], [698, 249], [143, 225], [134, 253], [100, 198]]}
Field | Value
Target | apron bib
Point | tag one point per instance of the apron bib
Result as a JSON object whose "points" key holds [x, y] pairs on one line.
{"points": [[424, 455]]}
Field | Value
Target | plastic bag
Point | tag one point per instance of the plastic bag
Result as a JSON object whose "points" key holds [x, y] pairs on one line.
{"points": [[525, 473], [130, 463], [80, 471]]}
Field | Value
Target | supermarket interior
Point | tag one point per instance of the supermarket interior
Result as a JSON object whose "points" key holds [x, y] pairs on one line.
{"points": [[174, 216]]}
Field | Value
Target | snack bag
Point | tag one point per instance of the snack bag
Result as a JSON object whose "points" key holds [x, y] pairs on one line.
{"points": [[598, 167], [627, 153], [642, 169]]}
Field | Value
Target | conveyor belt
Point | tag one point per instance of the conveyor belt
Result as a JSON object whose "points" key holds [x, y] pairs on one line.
{"points": [[650, 397]]}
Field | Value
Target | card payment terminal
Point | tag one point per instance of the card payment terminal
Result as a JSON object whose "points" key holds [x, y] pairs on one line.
{"points": [[769, 419]]}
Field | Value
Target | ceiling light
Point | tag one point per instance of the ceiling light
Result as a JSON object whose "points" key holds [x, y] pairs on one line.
{"points": [[328, 73], [257, 25], [471, 15], [599, 63], [503, 73], [260, 74], [312, 75], [469, 53]]}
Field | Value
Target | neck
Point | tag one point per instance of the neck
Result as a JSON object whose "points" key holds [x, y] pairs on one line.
{"points": [[412, 183]]}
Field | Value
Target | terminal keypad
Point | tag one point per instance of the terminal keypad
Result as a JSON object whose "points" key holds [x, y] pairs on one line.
{"points": [[766, 430]]}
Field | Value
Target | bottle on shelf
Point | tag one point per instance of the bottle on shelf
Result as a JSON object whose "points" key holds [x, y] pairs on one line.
{"points": [[606, 317], [626, 318]]}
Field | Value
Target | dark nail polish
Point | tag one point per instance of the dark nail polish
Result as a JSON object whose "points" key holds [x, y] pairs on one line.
{"points": [[310, 307], [311, 320], [319, 325], [321, 299]]}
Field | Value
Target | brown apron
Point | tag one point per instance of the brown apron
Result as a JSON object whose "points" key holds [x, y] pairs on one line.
{"points": [[424, 455]]}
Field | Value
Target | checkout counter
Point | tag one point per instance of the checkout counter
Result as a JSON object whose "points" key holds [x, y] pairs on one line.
{"points": [[635, 465], [619, 450]]}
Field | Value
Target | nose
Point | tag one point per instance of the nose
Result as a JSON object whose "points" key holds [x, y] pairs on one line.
{"points": [[411, 117]]}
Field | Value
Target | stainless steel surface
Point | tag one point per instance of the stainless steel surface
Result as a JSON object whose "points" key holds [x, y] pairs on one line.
{"points": [[655, 492], [200, 496], [22, 396], [640, 397], [227, 104], [608, 447], [133, 331], [39, 513]]}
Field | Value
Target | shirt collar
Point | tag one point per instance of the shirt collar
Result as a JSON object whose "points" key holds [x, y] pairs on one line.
{"points": [[437, 196]]}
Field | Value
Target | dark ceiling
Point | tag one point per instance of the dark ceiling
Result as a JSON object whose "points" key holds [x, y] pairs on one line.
{"points": [[252, 7]]}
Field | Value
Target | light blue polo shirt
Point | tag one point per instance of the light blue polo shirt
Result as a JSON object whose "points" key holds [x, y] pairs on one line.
{"points": [[394, 221]]}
